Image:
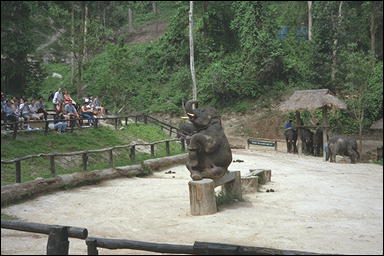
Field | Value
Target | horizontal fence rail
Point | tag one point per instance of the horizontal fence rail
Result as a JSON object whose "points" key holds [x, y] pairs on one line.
{"points": [[58, 243], [85, 154], [72, 123]]}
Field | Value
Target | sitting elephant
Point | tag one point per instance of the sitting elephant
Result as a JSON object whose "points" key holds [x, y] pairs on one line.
{"points": [[209, 150], [291, 138], [339, 145], [306, 137]]}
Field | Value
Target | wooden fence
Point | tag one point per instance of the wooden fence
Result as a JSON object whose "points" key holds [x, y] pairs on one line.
{"points": [[58, 243], [117, 119], [85, 153]]}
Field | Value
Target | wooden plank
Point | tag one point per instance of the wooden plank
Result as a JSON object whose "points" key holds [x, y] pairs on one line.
{"points": [[33, 227]]}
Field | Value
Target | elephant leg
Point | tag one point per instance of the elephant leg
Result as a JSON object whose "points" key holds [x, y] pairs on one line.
{"points": [[289, 146], [353, 155], [214, 172]]}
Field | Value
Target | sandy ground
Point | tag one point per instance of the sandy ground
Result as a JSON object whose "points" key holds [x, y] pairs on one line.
{"points": [[316, 207]]}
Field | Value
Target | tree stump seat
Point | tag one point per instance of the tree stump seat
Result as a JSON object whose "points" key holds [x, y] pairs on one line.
{"points": [[202, 192]]}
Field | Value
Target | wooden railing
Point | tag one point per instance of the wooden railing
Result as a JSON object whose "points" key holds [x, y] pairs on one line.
{"points": [[58, 243], [85, 153], [138, 118]]}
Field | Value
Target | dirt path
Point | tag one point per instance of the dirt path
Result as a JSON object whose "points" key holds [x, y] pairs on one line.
{"points": [[317, 207]]}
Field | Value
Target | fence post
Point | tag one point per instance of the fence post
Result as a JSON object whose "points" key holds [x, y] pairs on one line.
{"points": [[132, 153], [116, 123], [167, 148], [170, 131], [152, 149], [135, 119], [182, 144], [58, 243], [110, 158], [18, 171], [85, 159], [126, 120], [91, 246], [145, 119], [15, 126], [46, 126], [53, 168]]}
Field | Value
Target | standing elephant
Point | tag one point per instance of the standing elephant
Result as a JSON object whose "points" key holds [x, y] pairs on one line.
{"points": [[318, 142], [339, 145], [306, 137], [209, 150], [291, 138]]}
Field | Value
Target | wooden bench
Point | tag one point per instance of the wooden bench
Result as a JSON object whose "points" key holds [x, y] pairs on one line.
{"points": [[202, 192]]}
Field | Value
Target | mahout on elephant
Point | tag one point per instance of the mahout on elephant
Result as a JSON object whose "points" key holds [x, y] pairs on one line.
{"points": [[339, 145], [306, 137], [291, 138], [318, 142], [209, 150]]}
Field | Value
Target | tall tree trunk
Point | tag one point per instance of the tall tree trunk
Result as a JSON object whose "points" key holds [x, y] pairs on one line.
{"points": [[335, 42], [155, 9], [310, 20], [373, 26], [73, 45], [192, 61], [361, 131], [85, 32], [130, 23]]}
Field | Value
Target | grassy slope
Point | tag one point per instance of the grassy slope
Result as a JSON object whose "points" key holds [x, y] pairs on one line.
{"points": [[87, 139]]}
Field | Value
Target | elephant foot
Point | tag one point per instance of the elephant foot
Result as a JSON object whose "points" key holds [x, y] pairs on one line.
{"points": [[195, 175]]}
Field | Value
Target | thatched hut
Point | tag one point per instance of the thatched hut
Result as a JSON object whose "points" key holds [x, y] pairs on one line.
{"points": [[312, 100]]}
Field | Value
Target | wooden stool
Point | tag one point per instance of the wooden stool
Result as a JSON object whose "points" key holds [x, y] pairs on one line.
{"points": [[202, 192]]}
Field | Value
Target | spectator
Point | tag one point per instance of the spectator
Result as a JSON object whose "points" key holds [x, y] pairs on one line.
{"points": [[86, 112], [58, 101], [9, 113], [69, 105], [33, 107], [41, 108], [25, 113], [96, 105], [60, 124]]}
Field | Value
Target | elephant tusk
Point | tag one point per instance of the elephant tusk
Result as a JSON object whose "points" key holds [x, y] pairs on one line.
{"points": [[190, 114], [184, 117]]}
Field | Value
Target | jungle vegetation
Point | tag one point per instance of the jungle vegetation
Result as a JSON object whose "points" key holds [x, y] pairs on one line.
{"points": [[245, 52]]}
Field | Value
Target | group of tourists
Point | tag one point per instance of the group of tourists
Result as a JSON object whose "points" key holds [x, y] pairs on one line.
{"points": [[66, 110], [22, 109]]}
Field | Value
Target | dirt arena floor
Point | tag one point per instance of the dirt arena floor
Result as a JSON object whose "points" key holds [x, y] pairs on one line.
{"points": [[317, 206]]}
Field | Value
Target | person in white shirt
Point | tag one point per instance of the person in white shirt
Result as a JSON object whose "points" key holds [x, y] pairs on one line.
{"points": [[57, 101]]}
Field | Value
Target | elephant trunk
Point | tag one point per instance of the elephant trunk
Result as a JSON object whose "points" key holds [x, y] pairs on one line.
{"points": [[190, 105]]}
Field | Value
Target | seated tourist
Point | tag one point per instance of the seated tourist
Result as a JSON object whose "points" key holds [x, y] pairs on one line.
{"points": [[60, 123], [33, 107], [87, 113], [25, 113], [96, 106], [41, 108]]}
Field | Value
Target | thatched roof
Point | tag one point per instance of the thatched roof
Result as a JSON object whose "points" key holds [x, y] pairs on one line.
{"points": [[378, 125], [311, 100]]}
